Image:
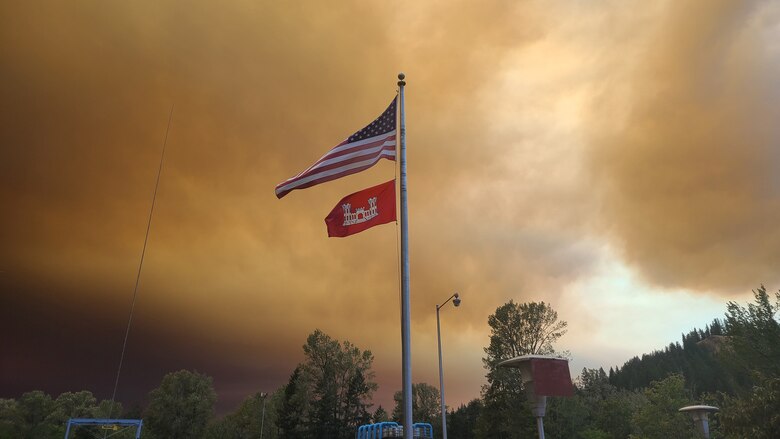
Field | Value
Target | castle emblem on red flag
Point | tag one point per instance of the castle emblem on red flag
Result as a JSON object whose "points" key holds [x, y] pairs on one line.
{"points": [[373, 206], [361, 215]]}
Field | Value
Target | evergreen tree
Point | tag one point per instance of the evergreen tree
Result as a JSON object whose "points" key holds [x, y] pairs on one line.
{"points": [[290, 419], [355, 406], [380, 415], [462, 423], [426, 405]]}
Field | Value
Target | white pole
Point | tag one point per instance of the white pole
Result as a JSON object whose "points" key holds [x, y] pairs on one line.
{"points": [[540, 426], [406, 351], [441, 379], [262, 420], [455, 302]]}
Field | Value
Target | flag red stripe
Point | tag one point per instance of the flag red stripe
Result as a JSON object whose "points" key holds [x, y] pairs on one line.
{"points": [[346, 154], [382, 151], [328, 177], [323, 174]]}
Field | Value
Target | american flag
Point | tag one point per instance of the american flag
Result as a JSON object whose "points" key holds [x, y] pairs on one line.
{"points": [[359, 152]]}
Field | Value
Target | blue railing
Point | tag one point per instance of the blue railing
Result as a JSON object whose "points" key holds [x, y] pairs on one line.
{"points": [[383, 430], [106, 423]]}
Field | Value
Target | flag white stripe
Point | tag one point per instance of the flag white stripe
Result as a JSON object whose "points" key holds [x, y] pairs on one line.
{"points": [[360, 142], [351, 166], [344, 147], [358, 153], [335, 160]]}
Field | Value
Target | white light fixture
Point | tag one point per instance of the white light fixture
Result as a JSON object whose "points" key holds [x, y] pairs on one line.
{"points": [[701, 416]]}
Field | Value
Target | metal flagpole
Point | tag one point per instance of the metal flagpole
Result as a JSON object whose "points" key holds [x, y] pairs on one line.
{"points": [[406, 356]]}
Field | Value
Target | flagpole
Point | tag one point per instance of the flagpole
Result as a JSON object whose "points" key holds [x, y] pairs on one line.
{"points": [[406, 355]]}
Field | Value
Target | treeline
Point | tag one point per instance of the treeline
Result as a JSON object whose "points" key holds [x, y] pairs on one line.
{"points": [[695, 358], [733, 363]]}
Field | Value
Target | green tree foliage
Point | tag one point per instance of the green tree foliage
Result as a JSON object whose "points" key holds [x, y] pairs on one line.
{"points": [[293, 408], [754, 336], [340, 380], [462, 423], [330, 393], [355, 404], [68, 405], [108, 409], [380, 415], [755, 415], [10, 419], [754, 333], [597, 410], [37, 415], [697, 359], [660, 417], [32, 411], [81, 404], [613, 414], [255, 414], [521, 329], [515, 329], [426, 405], [181, 406]]}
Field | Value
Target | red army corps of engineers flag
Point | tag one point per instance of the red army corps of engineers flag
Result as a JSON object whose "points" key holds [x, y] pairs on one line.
{"points": [[359, 152], [362, 210]]}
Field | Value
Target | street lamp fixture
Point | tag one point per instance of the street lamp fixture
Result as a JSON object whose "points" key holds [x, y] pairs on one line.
{"points": [[700, 415], [455, 301]]}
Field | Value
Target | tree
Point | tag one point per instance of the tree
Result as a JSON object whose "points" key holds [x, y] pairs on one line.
{"points": [[73, 405], [32, 413], [754, 336], [37, 415], [426, 405], [181, 407], [461, 423], [329, 394], [255, 414], [660, 417], [68, 405], [380, 415], [10, 419], [515, 329], [291, 413], [522, 329], [756, 415], [355, 406], [598, 409], [754, 333], [108, 409]]}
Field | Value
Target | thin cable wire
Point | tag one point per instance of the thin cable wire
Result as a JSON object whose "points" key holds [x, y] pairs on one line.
{"points": [[141, 264]]}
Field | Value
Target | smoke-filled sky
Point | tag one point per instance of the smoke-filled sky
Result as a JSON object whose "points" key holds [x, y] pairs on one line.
{"points": [[617, 160]]}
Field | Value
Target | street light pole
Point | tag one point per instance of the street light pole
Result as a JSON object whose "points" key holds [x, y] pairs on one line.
{"points": [[455, 301], [262, 420]]}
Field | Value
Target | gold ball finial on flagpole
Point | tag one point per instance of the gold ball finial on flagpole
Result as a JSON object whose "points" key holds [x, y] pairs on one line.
{"points": [[401, 81]]}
